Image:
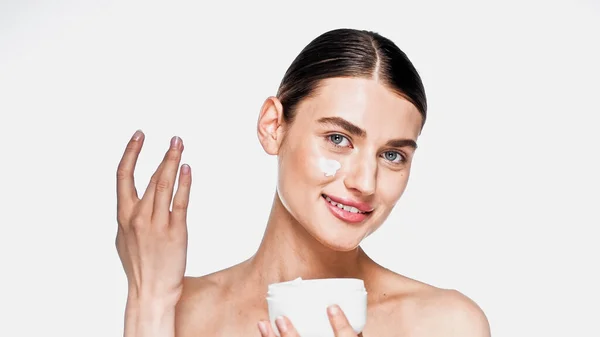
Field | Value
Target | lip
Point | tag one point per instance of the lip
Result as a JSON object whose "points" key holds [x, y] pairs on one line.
{"points": [[361, 206], [344, 215]]}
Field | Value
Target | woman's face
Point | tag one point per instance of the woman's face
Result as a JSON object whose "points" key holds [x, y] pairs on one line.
{"points": [[371, 132]]}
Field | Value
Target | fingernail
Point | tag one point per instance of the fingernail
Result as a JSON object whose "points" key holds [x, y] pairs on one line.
{"points": [[281, 324], [185, 169], [175, 141], [263, 329], [137, 135], [333, 310]]}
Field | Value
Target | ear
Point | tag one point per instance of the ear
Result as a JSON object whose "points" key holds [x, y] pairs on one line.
{"points": [[270, 125]]}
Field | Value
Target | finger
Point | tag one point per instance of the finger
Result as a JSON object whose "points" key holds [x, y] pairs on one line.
{"points": [[147, 201], [126, 192], [339, 322], [285, 327], [166, 180], [182, 197], [265, 328]]}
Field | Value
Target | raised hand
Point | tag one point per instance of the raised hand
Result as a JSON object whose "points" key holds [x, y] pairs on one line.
{"points": [[151, 239], [339, 323]]}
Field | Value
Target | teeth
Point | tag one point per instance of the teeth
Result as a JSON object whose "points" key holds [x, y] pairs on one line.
{"points": [[344, 207], [331, 201]]}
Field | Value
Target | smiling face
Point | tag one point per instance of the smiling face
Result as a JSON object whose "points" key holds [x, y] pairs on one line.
{"points": [[370, 131]]}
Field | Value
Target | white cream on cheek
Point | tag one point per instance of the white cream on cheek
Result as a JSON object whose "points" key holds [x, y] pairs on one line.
{"points": [[329, 166]]}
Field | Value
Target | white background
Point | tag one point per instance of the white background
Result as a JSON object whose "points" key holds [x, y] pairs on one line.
{"points": [[503, 199]]}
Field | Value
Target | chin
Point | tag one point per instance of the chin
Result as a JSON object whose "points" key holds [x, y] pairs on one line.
{"points": [[335, 234], [338, 244]]}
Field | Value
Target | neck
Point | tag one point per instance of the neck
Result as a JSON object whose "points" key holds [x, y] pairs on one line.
{"points": [[288, 251]]}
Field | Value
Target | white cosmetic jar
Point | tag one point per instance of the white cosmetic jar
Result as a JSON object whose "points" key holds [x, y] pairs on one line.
{"points": [[305, 303]]}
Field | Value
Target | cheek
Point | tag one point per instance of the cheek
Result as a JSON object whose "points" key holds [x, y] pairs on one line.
{"points": [[309, 162], [329, 167], [392, 185], [299, 168]]}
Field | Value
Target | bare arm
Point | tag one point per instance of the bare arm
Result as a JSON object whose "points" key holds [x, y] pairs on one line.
{"points": [[149, 319]]}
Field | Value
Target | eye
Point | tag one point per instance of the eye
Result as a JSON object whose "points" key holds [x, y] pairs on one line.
{"points": [[393, 156], [339, 140]]}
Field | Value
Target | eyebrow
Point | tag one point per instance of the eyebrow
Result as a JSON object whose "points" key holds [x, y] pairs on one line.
{"points": [[344, 124], [361, 133], [402, 143]]}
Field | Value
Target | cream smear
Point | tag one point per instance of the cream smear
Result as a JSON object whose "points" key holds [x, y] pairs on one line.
{"points": [[329, 166]]}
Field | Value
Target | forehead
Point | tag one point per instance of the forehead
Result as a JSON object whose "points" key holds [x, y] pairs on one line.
{"points": [[364, 102]]}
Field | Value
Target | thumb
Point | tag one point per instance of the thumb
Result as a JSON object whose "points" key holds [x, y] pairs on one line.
{"points": [[339, 322], [266, 329]]}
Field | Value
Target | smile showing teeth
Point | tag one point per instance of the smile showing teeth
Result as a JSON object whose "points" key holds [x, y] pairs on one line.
{"points": [[344, 207]]}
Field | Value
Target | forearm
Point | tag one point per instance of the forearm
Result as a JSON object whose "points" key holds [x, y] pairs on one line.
{"points": [[149, 319]]}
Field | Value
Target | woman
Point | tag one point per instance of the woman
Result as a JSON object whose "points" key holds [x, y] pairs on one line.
{"points": [[344, 126]]}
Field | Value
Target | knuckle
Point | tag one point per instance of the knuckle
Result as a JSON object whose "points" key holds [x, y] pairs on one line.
{"points": [[163, 185], [180, 205], [154, 179], [138, 223], [122, 173], [122, 217], [131, 148], [173, 155], [124, 213]]}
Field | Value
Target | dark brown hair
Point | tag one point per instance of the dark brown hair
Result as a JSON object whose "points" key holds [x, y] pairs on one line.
{"points": [[350, 53]]}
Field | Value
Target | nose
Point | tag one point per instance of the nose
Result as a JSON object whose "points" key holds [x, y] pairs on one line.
{"points": [[361, 176]]}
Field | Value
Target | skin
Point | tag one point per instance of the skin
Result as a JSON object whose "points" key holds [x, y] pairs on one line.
{"points": [[302, 237]]}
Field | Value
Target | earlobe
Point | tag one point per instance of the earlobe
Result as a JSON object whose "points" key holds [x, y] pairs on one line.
{"points": [[269, 127]]}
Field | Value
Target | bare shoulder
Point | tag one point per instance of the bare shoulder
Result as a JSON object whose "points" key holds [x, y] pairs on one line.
{"points": [[201, 296], [448, 312], [414, 308]]}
